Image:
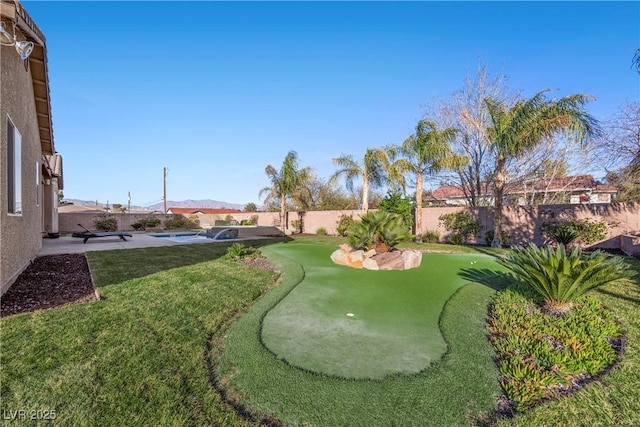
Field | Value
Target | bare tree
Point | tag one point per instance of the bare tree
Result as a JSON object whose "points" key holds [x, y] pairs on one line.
{"points": [[619, 150], [466, 112]]}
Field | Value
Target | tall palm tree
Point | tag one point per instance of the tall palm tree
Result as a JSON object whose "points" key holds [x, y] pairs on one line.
{"points": [[513, 131], [371, 170], [426, 152], [284, 183]]}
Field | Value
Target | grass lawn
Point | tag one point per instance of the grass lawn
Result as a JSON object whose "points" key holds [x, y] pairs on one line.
{"points": [[143, 355], [393, 327], [453, 391]]}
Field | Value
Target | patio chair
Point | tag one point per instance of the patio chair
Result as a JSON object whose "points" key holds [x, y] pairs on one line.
{"points": [[88, 234]]}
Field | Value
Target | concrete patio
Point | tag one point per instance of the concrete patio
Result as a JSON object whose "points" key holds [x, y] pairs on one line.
{"points": [[72, 245]]}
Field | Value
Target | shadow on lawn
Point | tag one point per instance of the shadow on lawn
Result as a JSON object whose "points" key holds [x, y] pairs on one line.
{"points": [[496, 280], [113, 267]]}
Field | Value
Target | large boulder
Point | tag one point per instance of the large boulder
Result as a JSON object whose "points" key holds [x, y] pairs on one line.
{"points": [[412, 259], [389, 261], [356, 258], [340, 257], [370, 264]]}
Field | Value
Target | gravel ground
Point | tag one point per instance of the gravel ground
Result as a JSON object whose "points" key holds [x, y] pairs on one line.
{"points": [[49, 281]]}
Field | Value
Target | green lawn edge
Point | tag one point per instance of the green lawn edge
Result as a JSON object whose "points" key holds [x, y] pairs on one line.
{"points": [[453, 391]]}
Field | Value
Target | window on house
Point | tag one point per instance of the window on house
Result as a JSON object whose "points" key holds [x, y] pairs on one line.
{"points": [[14, 169], [38, 182]]}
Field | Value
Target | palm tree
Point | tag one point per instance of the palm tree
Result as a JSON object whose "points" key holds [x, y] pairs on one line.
{"points": [[426, 152], [284, 183], [371, 170], [513, 131]]}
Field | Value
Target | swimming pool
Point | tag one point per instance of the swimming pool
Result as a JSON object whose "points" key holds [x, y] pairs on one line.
{"points": [[201, 236], [182, 237]]}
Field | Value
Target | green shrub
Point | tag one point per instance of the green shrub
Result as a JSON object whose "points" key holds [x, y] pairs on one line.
{"points": [[462, 224], [539, 358], [106, 223], [221, 223], [456, 239], [344, 223], [146, 222], [296, 224], [431, 236], [152, 221], [488, 237], [321, 231], [562, 234], [180, 221], [253, 220], [398, 204], [378, 230], [587, 231], [238, 250], [560, 276]]}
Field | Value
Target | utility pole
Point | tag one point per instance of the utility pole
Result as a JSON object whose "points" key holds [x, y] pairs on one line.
{"points": [[164, 192]]}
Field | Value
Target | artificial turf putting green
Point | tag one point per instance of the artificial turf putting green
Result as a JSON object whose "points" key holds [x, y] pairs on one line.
{"points": [[394, 328]]}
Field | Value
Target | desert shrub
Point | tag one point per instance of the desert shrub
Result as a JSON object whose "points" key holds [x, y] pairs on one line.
{"points": [[398, 204], [560, 277], [321, 231], [378, 230], [462, 224], [106, 223], [344, 222], [488, 237], [431, 236], [180, 221]]}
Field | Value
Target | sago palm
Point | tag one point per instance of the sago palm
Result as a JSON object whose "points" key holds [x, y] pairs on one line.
{"points": [[371, 169], [560, 276], [378, 230], [426, 152], [284, 183], [513, 131]]}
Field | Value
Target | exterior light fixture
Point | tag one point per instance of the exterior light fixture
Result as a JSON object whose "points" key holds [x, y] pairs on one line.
{"points": [[24, 48]]}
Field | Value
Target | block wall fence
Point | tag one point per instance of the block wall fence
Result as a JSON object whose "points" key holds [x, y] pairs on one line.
{"points": [[522, 223]]}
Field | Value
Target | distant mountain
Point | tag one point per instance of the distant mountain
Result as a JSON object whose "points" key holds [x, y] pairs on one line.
{"points": [[207, 203]]}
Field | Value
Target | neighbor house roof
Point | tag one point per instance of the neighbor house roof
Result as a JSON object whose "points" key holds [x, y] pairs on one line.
{"points": [[193, 211], [567, 183]]}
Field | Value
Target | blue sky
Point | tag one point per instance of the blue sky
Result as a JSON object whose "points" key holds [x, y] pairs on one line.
{"points": [[215, 91]]}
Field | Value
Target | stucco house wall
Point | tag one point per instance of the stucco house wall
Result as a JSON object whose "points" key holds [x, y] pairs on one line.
{"points": [[25, 103], [21, 234]]}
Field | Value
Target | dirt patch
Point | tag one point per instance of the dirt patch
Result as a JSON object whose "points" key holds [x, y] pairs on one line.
{"points": [[50, 281]]}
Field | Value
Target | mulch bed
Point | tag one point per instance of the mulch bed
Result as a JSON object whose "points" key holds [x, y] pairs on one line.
{"points": [[50, 281]]}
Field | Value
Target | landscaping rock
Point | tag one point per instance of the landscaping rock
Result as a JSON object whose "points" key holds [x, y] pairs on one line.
{"points": [[370, 253], [371, 260], [370, 264], [412, 259], [389, 261], [340, 257]]}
